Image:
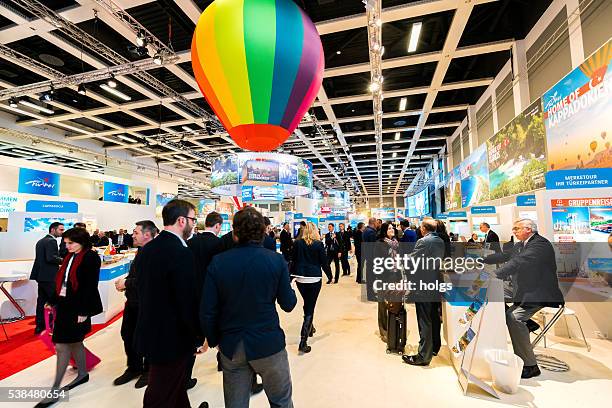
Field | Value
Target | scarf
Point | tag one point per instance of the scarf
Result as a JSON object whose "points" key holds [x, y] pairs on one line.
{"points": [[72, 277], [393, 246]]}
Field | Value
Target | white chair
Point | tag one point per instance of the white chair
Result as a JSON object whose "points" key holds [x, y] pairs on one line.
{"points": [[552, 311]]}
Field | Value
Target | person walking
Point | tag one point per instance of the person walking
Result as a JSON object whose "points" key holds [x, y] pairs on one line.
{"points": [[332, 248], [388, 248], [286, 242], [308, 259], [344, 241], [44, 271], [76, 299], [238, 314], [357, 240]]}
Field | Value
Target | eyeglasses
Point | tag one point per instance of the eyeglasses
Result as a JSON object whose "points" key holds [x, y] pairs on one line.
{"points": [[192, 219]]}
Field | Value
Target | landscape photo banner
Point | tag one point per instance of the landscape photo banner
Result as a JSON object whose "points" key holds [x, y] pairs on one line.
{"points": [[475, 178], [452, 191], [517, 154], [578, 120]]}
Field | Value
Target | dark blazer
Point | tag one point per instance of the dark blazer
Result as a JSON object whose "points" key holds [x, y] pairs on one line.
{"points": [[167, 328], [227, 241], [369, 234], [131, 281], [241, 290], [103, 242], [493, 239], [269, 243], [47, 261], [127, 240], [332, 246], [430, 246], [534, 272], [286, 242], [409, 235], [86, 300], [357, 240], [204, 247], [309, 259], [344, 240]]}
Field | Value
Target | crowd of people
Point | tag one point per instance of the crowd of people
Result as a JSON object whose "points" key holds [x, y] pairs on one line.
{"points": [[187, 293]]}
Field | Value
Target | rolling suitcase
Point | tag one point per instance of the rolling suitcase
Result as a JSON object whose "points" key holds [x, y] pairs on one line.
{"points": [[396, 328]]}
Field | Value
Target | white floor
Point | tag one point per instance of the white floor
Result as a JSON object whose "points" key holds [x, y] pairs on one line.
{"points": [[348, 367]]}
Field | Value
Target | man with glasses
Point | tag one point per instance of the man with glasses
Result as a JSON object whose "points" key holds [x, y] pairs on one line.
{"points": [[167, 328]]}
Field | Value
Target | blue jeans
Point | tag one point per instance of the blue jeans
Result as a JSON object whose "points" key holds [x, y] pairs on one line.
{"points": [[238, 376]]}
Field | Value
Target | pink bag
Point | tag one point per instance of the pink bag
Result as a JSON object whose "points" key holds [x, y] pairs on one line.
{"points": [[91, 360]]}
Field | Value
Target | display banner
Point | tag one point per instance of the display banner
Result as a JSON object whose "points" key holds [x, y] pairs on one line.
{"points": [[484, 209], [305, 174], [41, 225], [442, 216], [526, 200], [517, 154], [578, 121], [457, 214], [38, 182], [386, 213], [52, 206], [452, 192], [115, 192], [417, 205], [474, 173], [260, 171], [8, 203], [205, 206], [581, 219]]}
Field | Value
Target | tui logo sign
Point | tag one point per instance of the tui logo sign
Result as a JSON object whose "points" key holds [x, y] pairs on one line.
{"points": [[115, 192], [38, 182]]}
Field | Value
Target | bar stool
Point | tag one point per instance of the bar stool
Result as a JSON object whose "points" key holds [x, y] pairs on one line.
{"points": [[550, 363], [565, 311]]}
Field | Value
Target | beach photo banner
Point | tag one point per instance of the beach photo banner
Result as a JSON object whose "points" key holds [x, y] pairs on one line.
{"points": [[475, 178], [517, 154], [452, 191], [578, 119]]}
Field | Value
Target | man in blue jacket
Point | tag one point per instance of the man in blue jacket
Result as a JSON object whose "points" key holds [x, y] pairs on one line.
{"points": [[238, 314]]}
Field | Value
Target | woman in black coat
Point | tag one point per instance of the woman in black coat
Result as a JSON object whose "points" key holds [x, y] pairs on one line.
{"points": [[76, 300], [308, 259]]}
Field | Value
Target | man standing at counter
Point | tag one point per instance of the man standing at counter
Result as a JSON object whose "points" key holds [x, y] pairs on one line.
{"points": [[44, 270], [144, 233], [491, 238]]}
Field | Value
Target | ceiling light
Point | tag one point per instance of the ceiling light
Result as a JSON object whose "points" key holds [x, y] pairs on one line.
{"points": [[338, 52], [18, 151], [415, 33], [116, 92], [376, 46], [374, 87], [111, 81], [47, 96], [35, 106], [378, 22], [397, 136], [141, 40], [382, 51], [392, 167], [13, 102], [126, 138], [394, 154], [178, 156], [187, 129], [403, 103], [81, 89], [158, 58]]}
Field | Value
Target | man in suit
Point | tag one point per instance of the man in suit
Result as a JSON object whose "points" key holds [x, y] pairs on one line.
{"points": [[533, 268], [167, 330], [370, 232], [344, 241], [238, 313], [332, 249], [122, 240], [491, 238], [430, 247], [357, 240], [204, 247], [409, 235], [137, 367], [269, 241], [103, 239], [286, 242], [44, 271]]}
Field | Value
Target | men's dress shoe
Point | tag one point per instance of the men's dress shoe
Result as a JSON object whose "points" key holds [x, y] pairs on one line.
{"points": [[203, 405], [256, 388], [414, 360], [530, 371], [435, 353], [191, 383], [46, 403], [143, 381], [532, 326], [126, 377]]}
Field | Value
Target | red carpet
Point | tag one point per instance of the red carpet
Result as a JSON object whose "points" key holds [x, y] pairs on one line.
{"points": [[23, 349]]}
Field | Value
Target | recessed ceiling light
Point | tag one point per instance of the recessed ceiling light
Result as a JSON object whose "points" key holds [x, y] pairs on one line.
{"points": [[126, 138], [187, 128], [397, 135], [403, 102], [35, 106], [25, 152], [394, 154], [116, 92], [338, 52], [415, 34]]}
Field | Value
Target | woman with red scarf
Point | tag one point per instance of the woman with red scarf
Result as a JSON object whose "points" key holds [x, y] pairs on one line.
{"points": [[76, 300]]}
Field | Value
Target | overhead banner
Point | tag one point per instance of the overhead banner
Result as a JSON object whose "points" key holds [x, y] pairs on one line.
{"points": [[452, 191], [484, 209], [517, 154], [52, 206], [38, 182], [115, 192], [578, 122], [475, 178]]}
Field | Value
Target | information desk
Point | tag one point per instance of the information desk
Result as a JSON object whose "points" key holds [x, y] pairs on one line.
{"points": [[25, 291], [488, 324]]}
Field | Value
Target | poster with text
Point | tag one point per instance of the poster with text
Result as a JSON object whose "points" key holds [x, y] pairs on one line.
{"points": [[475, 178], [517, 154], [452, 192], [578, 119], [582, 219]]}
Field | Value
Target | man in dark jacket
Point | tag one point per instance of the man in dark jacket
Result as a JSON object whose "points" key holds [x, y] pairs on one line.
{"points": [[491, 239], [332, 248], [286, 242], [357, 240], [344, 240], [144, 233], [269, 241], [44, 271], [409, 235], [532, 265], [239, 314], [167, 330]]}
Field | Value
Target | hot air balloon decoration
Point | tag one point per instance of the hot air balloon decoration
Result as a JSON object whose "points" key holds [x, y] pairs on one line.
{"points": [[259, 64], [593, 146]]}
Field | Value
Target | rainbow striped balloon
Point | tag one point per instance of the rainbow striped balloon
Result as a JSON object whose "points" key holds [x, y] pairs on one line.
{"points": [[259, 63]]}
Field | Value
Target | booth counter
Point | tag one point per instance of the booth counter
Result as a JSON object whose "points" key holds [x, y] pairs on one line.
{"points": [[24, 291]]}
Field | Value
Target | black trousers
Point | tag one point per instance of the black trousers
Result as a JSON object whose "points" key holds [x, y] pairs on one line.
{"points": [[310, 293], [346, 268], [333, 257], [46, 291], [167, 385], [429, 321], [359, 277], [286, 255], [135, 362]]}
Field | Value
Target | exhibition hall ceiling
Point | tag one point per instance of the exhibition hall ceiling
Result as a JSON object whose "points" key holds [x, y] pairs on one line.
{"points": [[462, 45]]}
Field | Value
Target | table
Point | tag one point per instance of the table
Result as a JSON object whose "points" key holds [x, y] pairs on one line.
{"points": [[11, 278]]}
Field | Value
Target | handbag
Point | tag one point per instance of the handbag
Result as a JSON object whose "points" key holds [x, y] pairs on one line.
{"points": [[91, 360]]}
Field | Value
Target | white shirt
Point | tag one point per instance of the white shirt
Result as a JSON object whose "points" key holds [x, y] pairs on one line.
{"points": [[527, 240], [120, 239], [307, 279], [65, 285], [178, 236]]}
